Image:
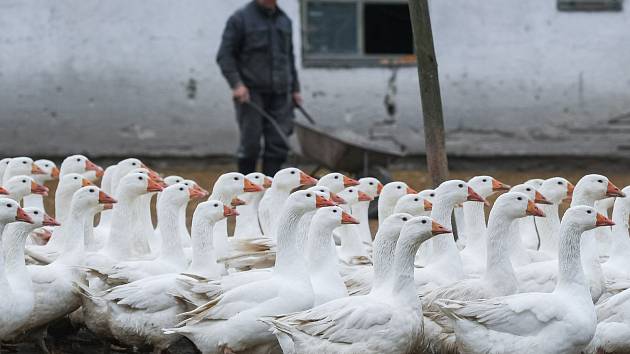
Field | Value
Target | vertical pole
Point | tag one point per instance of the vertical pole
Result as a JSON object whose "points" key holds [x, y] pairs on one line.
{"points": [[437, 162]]}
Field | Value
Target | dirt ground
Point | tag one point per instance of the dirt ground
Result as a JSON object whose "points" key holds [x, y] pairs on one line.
{"points": [[206, 171]]}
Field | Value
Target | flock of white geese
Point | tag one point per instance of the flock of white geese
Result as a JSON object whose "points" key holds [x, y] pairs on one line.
{"points": [[303, 273]]}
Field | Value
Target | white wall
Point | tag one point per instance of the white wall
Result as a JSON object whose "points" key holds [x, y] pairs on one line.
{"points": [[110, 78]]}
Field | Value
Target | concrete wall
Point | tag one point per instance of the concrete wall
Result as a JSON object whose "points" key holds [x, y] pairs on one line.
{"points": [[138, 78]]}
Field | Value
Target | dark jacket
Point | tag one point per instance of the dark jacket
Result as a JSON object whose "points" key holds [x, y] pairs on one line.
{"points": [[257, 50]]}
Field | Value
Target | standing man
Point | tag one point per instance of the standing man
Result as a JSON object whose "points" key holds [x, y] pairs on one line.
{"points": [[256, 57]]}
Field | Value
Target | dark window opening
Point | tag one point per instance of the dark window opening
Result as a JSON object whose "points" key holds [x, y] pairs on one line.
{"points": [[387, 29]]}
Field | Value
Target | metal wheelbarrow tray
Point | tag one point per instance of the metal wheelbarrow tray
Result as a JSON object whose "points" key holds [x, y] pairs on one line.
{"points": [[341, 149]]}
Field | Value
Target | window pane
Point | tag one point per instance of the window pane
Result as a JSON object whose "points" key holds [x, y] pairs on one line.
{"points": [[387, 29], [332, 28]]}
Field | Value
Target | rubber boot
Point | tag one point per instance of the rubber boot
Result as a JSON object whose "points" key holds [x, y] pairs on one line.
{"points": [[271, 166], [246, 166]]}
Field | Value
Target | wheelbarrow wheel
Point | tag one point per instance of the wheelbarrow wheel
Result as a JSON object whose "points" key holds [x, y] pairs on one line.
{"points": [[382, 174]]}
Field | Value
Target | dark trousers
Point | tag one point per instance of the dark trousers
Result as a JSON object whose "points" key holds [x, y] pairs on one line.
{"points": [[256, 130]]}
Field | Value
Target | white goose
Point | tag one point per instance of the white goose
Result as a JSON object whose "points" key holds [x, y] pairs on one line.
{"points": [[426, 248], [616, 267], [389, 196], [337, 182], [603, 235], [388, 320], [18, 298], [444, 265], [81, 165], [4, 163], [20, 166], [613, 327], [50, 172], [559, 322], [231, 321], [352, 250], [247, 225], [137, 312], [19, 187], [541, 276], [284, 182], [474, 254], [372, 187], [498, 278]]}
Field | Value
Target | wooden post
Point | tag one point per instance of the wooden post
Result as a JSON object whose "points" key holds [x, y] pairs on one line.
{"points": [[437, 162]]}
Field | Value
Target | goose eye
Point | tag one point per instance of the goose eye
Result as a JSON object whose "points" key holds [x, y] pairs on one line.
{"points": [[460, 185], [9, 205], [216, 205], [46, 165], [600, 181], [350, 191], [519, 198], [334, 210], [560, 183], [424, 221], [257, 177], [292, 172], [399, 187], [308, 195], [485, 180], [588, 211], [181, 188], [416, 199], [177, 180], [432, 195], [404, 219], [140, 178], [24, 162], [371, 183], [78, 160], [336, 177], [133, 164], [23, 181], [528, 189], [76, 178], [236, 178], [91, 190], [36, 212]]}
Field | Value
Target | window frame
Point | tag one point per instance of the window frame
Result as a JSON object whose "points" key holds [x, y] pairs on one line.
{"points": [[361, 59]]}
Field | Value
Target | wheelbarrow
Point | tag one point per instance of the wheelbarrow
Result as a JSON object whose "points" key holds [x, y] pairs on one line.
{"points": [[339, 149]]}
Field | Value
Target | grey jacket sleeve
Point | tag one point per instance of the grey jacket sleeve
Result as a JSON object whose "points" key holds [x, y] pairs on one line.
{"points": [[230, 44]]}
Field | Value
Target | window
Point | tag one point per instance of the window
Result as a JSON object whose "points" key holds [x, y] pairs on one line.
{"points": [[355, 32], [590, 5]]}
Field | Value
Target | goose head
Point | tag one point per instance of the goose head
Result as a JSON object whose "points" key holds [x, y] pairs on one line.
{"points": [[535, 182], [91, 198], [329, 218], [197, 191], [456, 192], [21, 186], [212, 211], [232, 184], [50, 170], [413, 204], [390, 228], [584, 218], [486, 185], [72, 182], [622, 202], [556, 189], [154, 176], [337, 182], [517, 205], [370, 186], [595, 187], [23, 166], [137, 184], [4, 163], [39, 218], [422, 228], [428, 194], [394, 191], [10, 211], [531, 192], [290, 178], [171, 180], [260, 179], [81, 165], [326, 193], [352, 195], [305, 201], [177, 195]]}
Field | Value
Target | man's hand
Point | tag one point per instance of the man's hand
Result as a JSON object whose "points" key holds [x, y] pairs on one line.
{"points": [[297, 99], [240, 93]]}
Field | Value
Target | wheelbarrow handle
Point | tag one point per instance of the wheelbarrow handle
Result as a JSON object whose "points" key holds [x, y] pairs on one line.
{"points": [[305, 113], [272, 121]]}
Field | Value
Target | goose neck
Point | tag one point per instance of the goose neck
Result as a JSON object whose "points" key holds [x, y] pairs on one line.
{"points": [[350, 241], [386, 208], [403, 286], [475, 224], [168, 217], [321, 253], [247, 222], [119, 243], [73, 232], [13, 243], [499, 270], [204, 260], [289, 259], [441, 213], [360, 210], [620, 237], [570, 272], [548, 228]]}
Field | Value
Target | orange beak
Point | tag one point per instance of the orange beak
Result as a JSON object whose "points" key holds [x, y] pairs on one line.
{"points": [[428, 206], [570, 188], [153, 186], [474, 197], [108, 206], [267, 182], [44, 234], [379, 188], [337, 199], [533, 210], [437, 229], [23, 216], [49, 221], [103, 198], [55, 172], [349, 182], [251, 187], [227, 211], [85, 182], [603, 221], [321, 202], [237, 202], [35, 170], [540, 199], [204, 193], [156, 177], [39, 189], [364, 197], [614, 191], [498, 186], [348, 219], [307, 180], [195, 192], [4, 191], [411, 191], [91, 166]]}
